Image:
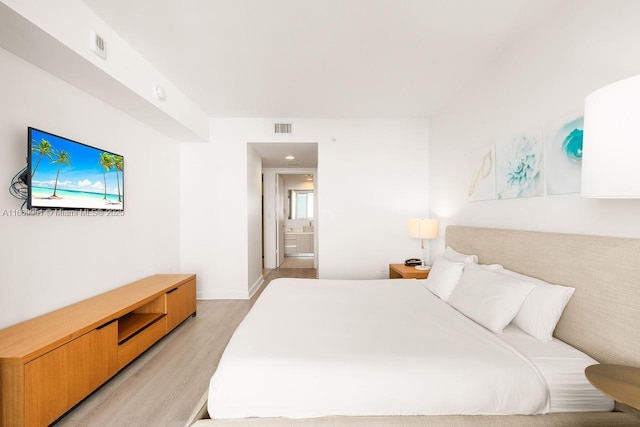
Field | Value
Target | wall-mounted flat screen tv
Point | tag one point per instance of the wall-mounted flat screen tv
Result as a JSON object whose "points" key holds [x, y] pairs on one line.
{"points": [[65, 174]]}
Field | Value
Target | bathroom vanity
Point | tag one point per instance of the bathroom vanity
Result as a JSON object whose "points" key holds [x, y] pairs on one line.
{"points": [[298, 243]]}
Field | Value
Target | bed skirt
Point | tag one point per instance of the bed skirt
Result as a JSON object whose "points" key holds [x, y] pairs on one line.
{"points": [[604, 419]]}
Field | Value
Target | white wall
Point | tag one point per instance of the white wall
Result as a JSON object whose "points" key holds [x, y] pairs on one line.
{"points": [[49, 262], [362, 227], [254, 219], [55, 36], [280, 217], [542, 77]]}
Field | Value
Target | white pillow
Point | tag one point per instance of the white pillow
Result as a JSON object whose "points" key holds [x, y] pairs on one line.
{"points": [[488, 297], [542, 309], [443, 277], [452, 255], [489, 266]]}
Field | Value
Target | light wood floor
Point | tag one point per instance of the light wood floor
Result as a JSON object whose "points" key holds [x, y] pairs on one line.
{"points": [[297, 262], [163, 386]]}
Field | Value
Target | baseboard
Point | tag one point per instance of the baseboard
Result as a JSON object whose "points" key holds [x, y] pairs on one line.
{"points": [[222, 295], [232, 294], [256, 286]]}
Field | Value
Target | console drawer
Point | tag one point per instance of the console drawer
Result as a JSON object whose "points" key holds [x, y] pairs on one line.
{"points": [[137, 344], [181, 303], [63, 377]]}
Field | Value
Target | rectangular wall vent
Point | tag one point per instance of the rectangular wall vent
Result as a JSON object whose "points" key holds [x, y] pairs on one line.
{"points": [[283, 128], [98, 45]]}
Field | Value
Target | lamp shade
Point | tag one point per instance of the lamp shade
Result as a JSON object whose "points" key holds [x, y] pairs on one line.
{"points": [[611, 146], [423, 228]]}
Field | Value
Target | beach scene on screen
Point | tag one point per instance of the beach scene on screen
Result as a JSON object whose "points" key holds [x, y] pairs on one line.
{"points": [[67, 174]]}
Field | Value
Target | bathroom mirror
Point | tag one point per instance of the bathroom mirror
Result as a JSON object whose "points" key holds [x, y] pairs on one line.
{"points": [[301, 204]]}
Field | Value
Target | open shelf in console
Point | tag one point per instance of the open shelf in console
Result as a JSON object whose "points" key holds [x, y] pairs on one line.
{"points": [[132, 323], [139, 319]]}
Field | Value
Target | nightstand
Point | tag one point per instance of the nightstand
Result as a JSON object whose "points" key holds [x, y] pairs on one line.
{"points": [[401, 271], [621, 383]]}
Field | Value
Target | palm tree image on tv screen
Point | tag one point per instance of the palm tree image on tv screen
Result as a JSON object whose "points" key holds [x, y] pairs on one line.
{"points": [[70, 175]]}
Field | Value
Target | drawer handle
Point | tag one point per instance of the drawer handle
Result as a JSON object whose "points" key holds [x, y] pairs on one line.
{"points": [[172, 290], [106, 324]]}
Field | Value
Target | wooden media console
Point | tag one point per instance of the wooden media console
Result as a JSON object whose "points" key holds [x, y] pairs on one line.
{"points": [[50, 363]]}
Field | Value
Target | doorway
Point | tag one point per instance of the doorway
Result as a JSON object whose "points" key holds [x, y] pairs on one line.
{"points": [[296, 193], [277, 165]]}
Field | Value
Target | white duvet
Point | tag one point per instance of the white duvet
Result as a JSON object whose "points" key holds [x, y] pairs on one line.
{"points": [[314, 348]]}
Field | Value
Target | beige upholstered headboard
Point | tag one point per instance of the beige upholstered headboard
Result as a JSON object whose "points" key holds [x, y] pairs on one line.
{"points": [[603, 317]]}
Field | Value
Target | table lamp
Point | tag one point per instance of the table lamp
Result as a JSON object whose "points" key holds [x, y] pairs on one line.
{"points": [[421, 228], [612, 141]]}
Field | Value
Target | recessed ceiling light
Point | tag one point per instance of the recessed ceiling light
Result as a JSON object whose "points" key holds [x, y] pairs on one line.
{"points": [[289, 157]]}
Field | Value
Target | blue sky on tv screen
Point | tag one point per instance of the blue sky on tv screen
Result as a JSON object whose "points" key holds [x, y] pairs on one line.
{"points": [[84, 174]]}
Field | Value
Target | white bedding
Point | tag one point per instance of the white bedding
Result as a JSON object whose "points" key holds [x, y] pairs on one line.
{"points": [[563, 367], [314, 348]]}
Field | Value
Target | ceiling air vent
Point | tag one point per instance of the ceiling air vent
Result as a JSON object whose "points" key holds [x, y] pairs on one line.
{"points": [[98, 45], [282, 128]]}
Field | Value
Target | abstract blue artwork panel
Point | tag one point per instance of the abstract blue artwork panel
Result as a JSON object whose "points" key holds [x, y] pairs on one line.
{"points": [[563, 154], [519, 166]]}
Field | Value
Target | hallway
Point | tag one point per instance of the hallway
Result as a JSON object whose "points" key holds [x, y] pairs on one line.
{"points": [[297, 262]]}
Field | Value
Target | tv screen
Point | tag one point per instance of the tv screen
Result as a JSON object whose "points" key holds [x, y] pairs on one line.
{"points": [[65, 174]]}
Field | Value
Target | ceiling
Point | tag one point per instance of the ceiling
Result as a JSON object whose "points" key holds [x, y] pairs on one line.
{"points": [[274, 155], [322, 58]]}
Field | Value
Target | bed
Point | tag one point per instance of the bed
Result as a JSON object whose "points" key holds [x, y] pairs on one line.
{"points": [[261, 365]]}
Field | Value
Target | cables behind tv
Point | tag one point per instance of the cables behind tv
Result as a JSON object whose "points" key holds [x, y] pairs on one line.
{"points": [[18, 187]]}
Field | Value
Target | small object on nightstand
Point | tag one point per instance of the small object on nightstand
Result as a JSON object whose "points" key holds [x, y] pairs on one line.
{"points": [[621, 383], [401, 271]]}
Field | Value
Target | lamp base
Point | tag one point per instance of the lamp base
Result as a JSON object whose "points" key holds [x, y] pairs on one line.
{"points": [[423, 267]]}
